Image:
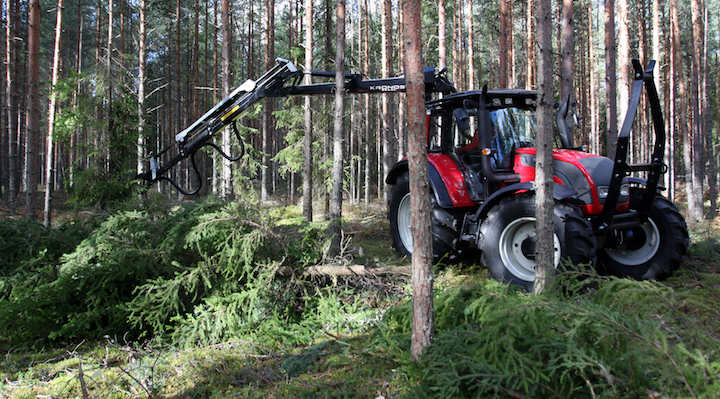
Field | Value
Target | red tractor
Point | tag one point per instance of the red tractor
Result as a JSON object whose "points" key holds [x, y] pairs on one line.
{"points": [[482, 166], [481, 162]]}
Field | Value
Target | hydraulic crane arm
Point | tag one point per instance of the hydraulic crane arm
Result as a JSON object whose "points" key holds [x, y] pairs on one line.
{"points": [[280, 81]]}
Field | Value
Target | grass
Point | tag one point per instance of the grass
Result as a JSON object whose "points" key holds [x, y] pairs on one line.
{"points": [[373, 361]]}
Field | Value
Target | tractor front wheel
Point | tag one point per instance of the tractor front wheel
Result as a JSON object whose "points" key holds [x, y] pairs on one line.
{"points": [[507, 239], [444, 234], [651, 251]]}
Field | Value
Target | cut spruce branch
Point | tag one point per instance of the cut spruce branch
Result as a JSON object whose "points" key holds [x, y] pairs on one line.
{"points": [[352, 270]]}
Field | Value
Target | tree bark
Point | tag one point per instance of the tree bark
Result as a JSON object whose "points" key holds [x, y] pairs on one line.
{"points": [[544, 144], [698, 158], [226, 175], [422, 278], [623, 60], [442, 35], [307, 140], [338, 134], [568, 51], [471, 48], [503, 49], [366, 98], [266, 172], [11, 97], [33, 108], [610, 79], [49, 153], [388, 100], [531, 63], [142, 64]]}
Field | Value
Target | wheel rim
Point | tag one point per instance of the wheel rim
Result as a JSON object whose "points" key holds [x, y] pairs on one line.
{"points": [[511, 248], [635, 257], [404, 220]]}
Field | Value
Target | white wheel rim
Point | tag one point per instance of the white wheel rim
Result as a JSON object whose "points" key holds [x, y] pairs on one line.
{"points": [[404, 220], [635, 257], [511, 253]]}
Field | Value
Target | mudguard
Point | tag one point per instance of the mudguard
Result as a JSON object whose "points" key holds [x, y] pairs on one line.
{"points": [[560, 192], [446, 180]]}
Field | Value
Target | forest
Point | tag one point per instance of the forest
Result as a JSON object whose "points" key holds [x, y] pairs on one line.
{"points": [[110, 287], [124, 78]]}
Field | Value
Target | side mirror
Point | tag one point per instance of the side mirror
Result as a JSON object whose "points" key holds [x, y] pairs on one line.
{"points": [[462, 118]]}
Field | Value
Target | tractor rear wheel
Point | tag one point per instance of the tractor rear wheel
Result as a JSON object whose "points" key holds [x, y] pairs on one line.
{"points": [[507, 239], [444, 234], [651, 251]]}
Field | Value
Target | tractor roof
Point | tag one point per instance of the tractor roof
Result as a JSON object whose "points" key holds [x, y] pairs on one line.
{"points": [[500, 98]]}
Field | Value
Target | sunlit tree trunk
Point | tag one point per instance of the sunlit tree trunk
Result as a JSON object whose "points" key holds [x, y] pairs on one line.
{"points": [[594, 118], [142, 63], [388, 100], [471, 48], [623, 60], [567, 51], [442, 35], [307, 140], [366, 98], [530, 62], [503, 49], [226, 174], [49, 153], [11, 97], [266, 172], [544, 143], [698, 137], [610, 79], [338, 133], [422, 278], [33, 108]]}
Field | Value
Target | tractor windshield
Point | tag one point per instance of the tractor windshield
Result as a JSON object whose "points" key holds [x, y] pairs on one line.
{"points": [[512, 128]]}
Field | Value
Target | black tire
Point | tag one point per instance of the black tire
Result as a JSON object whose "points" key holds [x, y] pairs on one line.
{"points": [[444, 234], [507, 239], [659, 245]]}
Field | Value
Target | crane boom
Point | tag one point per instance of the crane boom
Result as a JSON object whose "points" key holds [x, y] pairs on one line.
{"points": [[281, 80]]}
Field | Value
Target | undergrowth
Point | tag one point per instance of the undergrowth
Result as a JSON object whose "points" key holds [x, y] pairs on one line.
{"points": [[188, 301], [589, 337]]}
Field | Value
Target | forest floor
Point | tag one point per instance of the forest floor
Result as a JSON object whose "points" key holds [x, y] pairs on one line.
{"points": [[365, 363]]}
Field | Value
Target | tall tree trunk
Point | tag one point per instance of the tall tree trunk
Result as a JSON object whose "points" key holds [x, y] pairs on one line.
{"points": [[503, 49], [12, 67], [623, 60], [567, 51], [33, 108], [594, 118], [442, 35], [457, 44], [544, 203], [531, 64], [471, 48], [366, 98], [421, 228], [681, 109], [267, 129], [51, 115], [388, 100], [610, 79], [698, 160], [307, 142], [217, 177], [338, 134], [142, 63], [226, 177]]}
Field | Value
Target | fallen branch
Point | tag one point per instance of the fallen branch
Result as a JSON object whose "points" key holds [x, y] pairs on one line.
{"points": [[353, 270]]}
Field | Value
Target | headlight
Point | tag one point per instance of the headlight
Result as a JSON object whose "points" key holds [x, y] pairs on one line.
{"points": [[603, 192], [624, 190]]}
